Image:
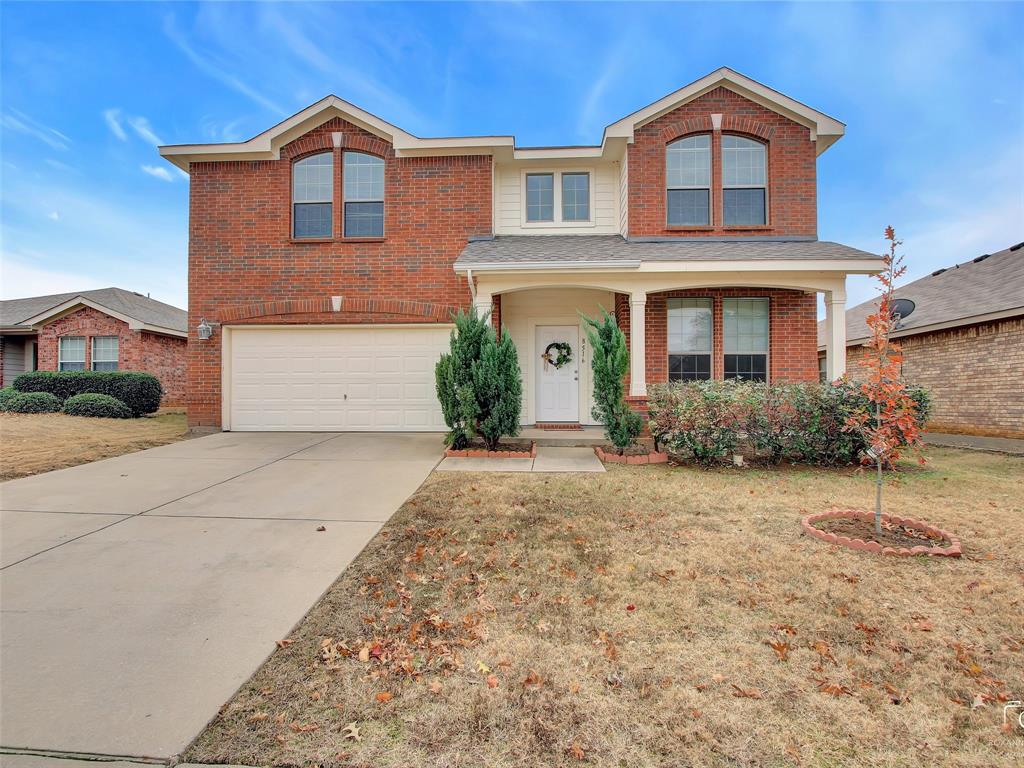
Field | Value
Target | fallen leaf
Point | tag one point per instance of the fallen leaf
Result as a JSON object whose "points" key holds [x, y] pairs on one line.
{"points": [[630, 607], [257, 717], [321, 528], [746, 693], [979, 701], [364, 654], [781, 648], [298, 728], [384, 697], [482, 668], [351, 731], [283, 643], [834, 689], [577, 751], [435, 686], [492, 681]]}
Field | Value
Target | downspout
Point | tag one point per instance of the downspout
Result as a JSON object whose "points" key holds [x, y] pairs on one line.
{"points": [[472, 285]]}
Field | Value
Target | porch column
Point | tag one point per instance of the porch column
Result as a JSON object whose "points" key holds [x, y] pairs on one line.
{"points": [[835, 334], [637, 345], [483, 302]]}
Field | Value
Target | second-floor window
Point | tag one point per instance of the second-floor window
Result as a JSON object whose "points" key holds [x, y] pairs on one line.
{"points": [[313, 196], [540, 197], [575, 197], [688, 178], [364, 195], [744, 175]]}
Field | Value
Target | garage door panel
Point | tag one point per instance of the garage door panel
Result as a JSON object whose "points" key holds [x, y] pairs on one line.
{"points": [[336, 378]]}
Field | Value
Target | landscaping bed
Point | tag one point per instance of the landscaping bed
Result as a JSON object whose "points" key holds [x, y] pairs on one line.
{"points": [[634, 454], [899, 536], [674, 616], [506, 449]]}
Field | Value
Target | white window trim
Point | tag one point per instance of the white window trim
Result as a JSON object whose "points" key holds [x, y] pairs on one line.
{"points": [[60, 352], [767, 208], [557, 221], [768, 348], [710, 187], [382, 201], [93, 360]]}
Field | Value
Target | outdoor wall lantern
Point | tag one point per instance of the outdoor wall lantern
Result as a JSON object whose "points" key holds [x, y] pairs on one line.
{"points": [[205, 330]]}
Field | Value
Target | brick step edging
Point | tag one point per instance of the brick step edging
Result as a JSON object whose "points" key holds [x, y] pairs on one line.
{"points": [[654, 457], [479, 453], [953, 550]]}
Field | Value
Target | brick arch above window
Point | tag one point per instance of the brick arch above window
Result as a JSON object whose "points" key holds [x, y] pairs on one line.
{"points": [[680, 129], [319, 139], [754, 129]]}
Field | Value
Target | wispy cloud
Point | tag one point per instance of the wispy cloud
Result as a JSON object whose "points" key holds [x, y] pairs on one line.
{"points": [[53, 215], [158, 171], [113, 120], [142, 127], [614, 66], [213, 70], [22, 123], [27, 275]]}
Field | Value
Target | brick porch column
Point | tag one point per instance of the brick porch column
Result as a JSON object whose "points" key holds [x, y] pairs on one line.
{"points": [[637, 345]]}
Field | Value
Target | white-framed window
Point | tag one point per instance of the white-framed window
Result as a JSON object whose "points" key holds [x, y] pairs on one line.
{"points": [[104, 353], [71, 353], [744, 181], [363, 176], [688, 181], [540, 197], [576, 196], [689, 339], [745, 338], [313, 196]]}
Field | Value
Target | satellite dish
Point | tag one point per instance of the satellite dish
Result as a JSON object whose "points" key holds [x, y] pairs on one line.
{"points": [[902, 309]]}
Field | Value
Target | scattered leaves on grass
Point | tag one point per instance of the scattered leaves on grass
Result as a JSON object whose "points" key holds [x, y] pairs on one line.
{"points": [[746, 693], [284, 643], [576, 751], [833, 689], [781, 648], [492, 681], [351, 731], [384, 697], [300, 728]]}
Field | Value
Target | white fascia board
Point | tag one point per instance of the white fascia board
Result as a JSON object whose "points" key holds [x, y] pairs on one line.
{"points": [[546, 266], [825, 130], [832, 266], [78, 302]]}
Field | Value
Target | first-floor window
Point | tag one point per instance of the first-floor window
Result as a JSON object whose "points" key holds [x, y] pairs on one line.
{"points": [[745, 339], [71, 353], [104, 353], [689, 339]]}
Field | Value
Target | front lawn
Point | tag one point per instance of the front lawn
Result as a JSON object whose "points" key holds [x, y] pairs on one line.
{"points": [[655, 616], [38, 442]]}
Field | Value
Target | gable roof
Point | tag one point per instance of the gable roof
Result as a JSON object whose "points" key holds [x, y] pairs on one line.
{"points": [[825, 130], [986, 288], [140, 312]]}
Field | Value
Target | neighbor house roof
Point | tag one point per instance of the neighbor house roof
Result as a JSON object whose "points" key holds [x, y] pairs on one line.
{"points": [[611, 251], [140, 312], [824, 130], [988, 287]]}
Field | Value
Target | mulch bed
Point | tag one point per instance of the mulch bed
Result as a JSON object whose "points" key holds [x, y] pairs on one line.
{"points": [[635, 454], [892, 535], [900, 536], [507, 449]]}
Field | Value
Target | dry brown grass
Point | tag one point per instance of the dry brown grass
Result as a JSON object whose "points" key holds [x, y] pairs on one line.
{"points": [[39, 442], [493, 619]]}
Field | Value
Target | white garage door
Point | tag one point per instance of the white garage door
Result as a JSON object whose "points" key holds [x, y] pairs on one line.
{"points": [[335, 379]]}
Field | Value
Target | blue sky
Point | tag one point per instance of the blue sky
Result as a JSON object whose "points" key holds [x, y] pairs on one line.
{"points": [[932, 95]]}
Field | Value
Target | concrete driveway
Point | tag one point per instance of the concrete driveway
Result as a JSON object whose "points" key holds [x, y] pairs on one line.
{"points": [[139, 592]]}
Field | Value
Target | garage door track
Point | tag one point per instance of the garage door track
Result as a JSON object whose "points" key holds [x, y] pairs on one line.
{"points": [[139, 592]]}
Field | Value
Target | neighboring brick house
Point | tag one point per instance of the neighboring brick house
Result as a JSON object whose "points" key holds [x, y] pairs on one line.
{"points": [[102, 330], [327, 254], [963, 339]]}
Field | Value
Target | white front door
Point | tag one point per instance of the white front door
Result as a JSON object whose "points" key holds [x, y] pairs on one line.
{"points": [[558, 389]]}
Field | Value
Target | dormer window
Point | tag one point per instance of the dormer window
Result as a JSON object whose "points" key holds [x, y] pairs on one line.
{"points": [[744, 175], [313, 196], [688, 178], [364, 195]]}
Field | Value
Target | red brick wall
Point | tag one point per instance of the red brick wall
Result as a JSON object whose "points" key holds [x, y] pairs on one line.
{"points": [[973, 374], [162, 356], [241, 251], [792, 181], [792, 331]]}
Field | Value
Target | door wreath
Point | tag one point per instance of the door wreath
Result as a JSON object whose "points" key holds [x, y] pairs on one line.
{"points": [[557, 353]]}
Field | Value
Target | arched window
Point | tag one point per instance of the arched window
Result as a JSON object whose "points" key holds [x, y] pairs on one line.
{"points": [[688, 178], [313, 196], [744, 175], [364, 195]]}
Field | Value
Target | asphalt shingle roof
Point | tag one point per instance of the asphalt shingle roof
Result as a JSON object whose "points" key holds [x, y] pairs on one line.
{"points": [[569, 249], [982, 286], [14, 312]]}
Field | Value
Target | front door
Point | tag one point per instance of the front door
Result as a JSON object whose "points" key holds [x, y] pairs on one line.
{"points": [[558, 389]]}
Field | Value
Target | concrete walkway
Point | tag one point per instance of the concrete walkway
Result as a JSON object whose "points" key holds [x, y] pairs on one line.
{"points": [[139, 592], [548, 459], [976, 443]]}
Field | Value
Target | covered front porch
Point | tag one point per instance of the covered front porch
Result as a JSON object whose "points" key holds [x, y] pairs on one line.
{"points": [[768, 303]]}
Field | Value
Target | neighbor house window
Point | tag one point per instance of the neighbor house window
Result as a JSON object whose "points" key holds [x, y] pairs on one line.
{"points": [[313, 196], [575, 197], [364, 195], [688, 177], [822, 370], [71, 353], [104, 353], [744, 174], [540, 197], [745, 338], [689, 339]]}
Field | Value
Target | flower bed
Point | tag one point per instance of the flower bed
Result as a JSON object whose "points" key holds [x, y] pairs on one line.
{"points": [[509, 451], [904, 527], [649, 457]]}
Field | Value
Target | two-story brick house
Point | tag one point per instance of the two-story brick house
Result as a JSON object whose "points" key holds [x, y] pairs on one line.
{"points": [[328, 253]]}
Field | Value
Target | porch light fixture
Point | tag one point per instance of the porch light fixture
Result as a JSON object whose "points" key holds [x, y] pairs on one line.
{"points": [[205, 330]]}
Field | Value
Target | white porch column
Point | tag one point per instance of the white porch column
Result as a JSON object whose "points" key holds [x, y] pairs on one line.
{"points": [[835, 334], [637, 345], [484, 303]]}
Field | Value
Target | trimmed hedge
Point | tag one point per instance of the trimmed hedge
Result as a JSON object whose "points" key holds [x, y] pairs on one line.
{"points": [[141, 392], [33, 402], [95, 404], [710, 420], [6, 395]]}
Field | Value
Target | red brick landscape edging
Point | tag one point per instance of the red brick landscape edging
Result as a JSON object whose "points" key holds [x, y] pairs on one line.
{"points": [[654, 457], [953, 550], [479, 453]]}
